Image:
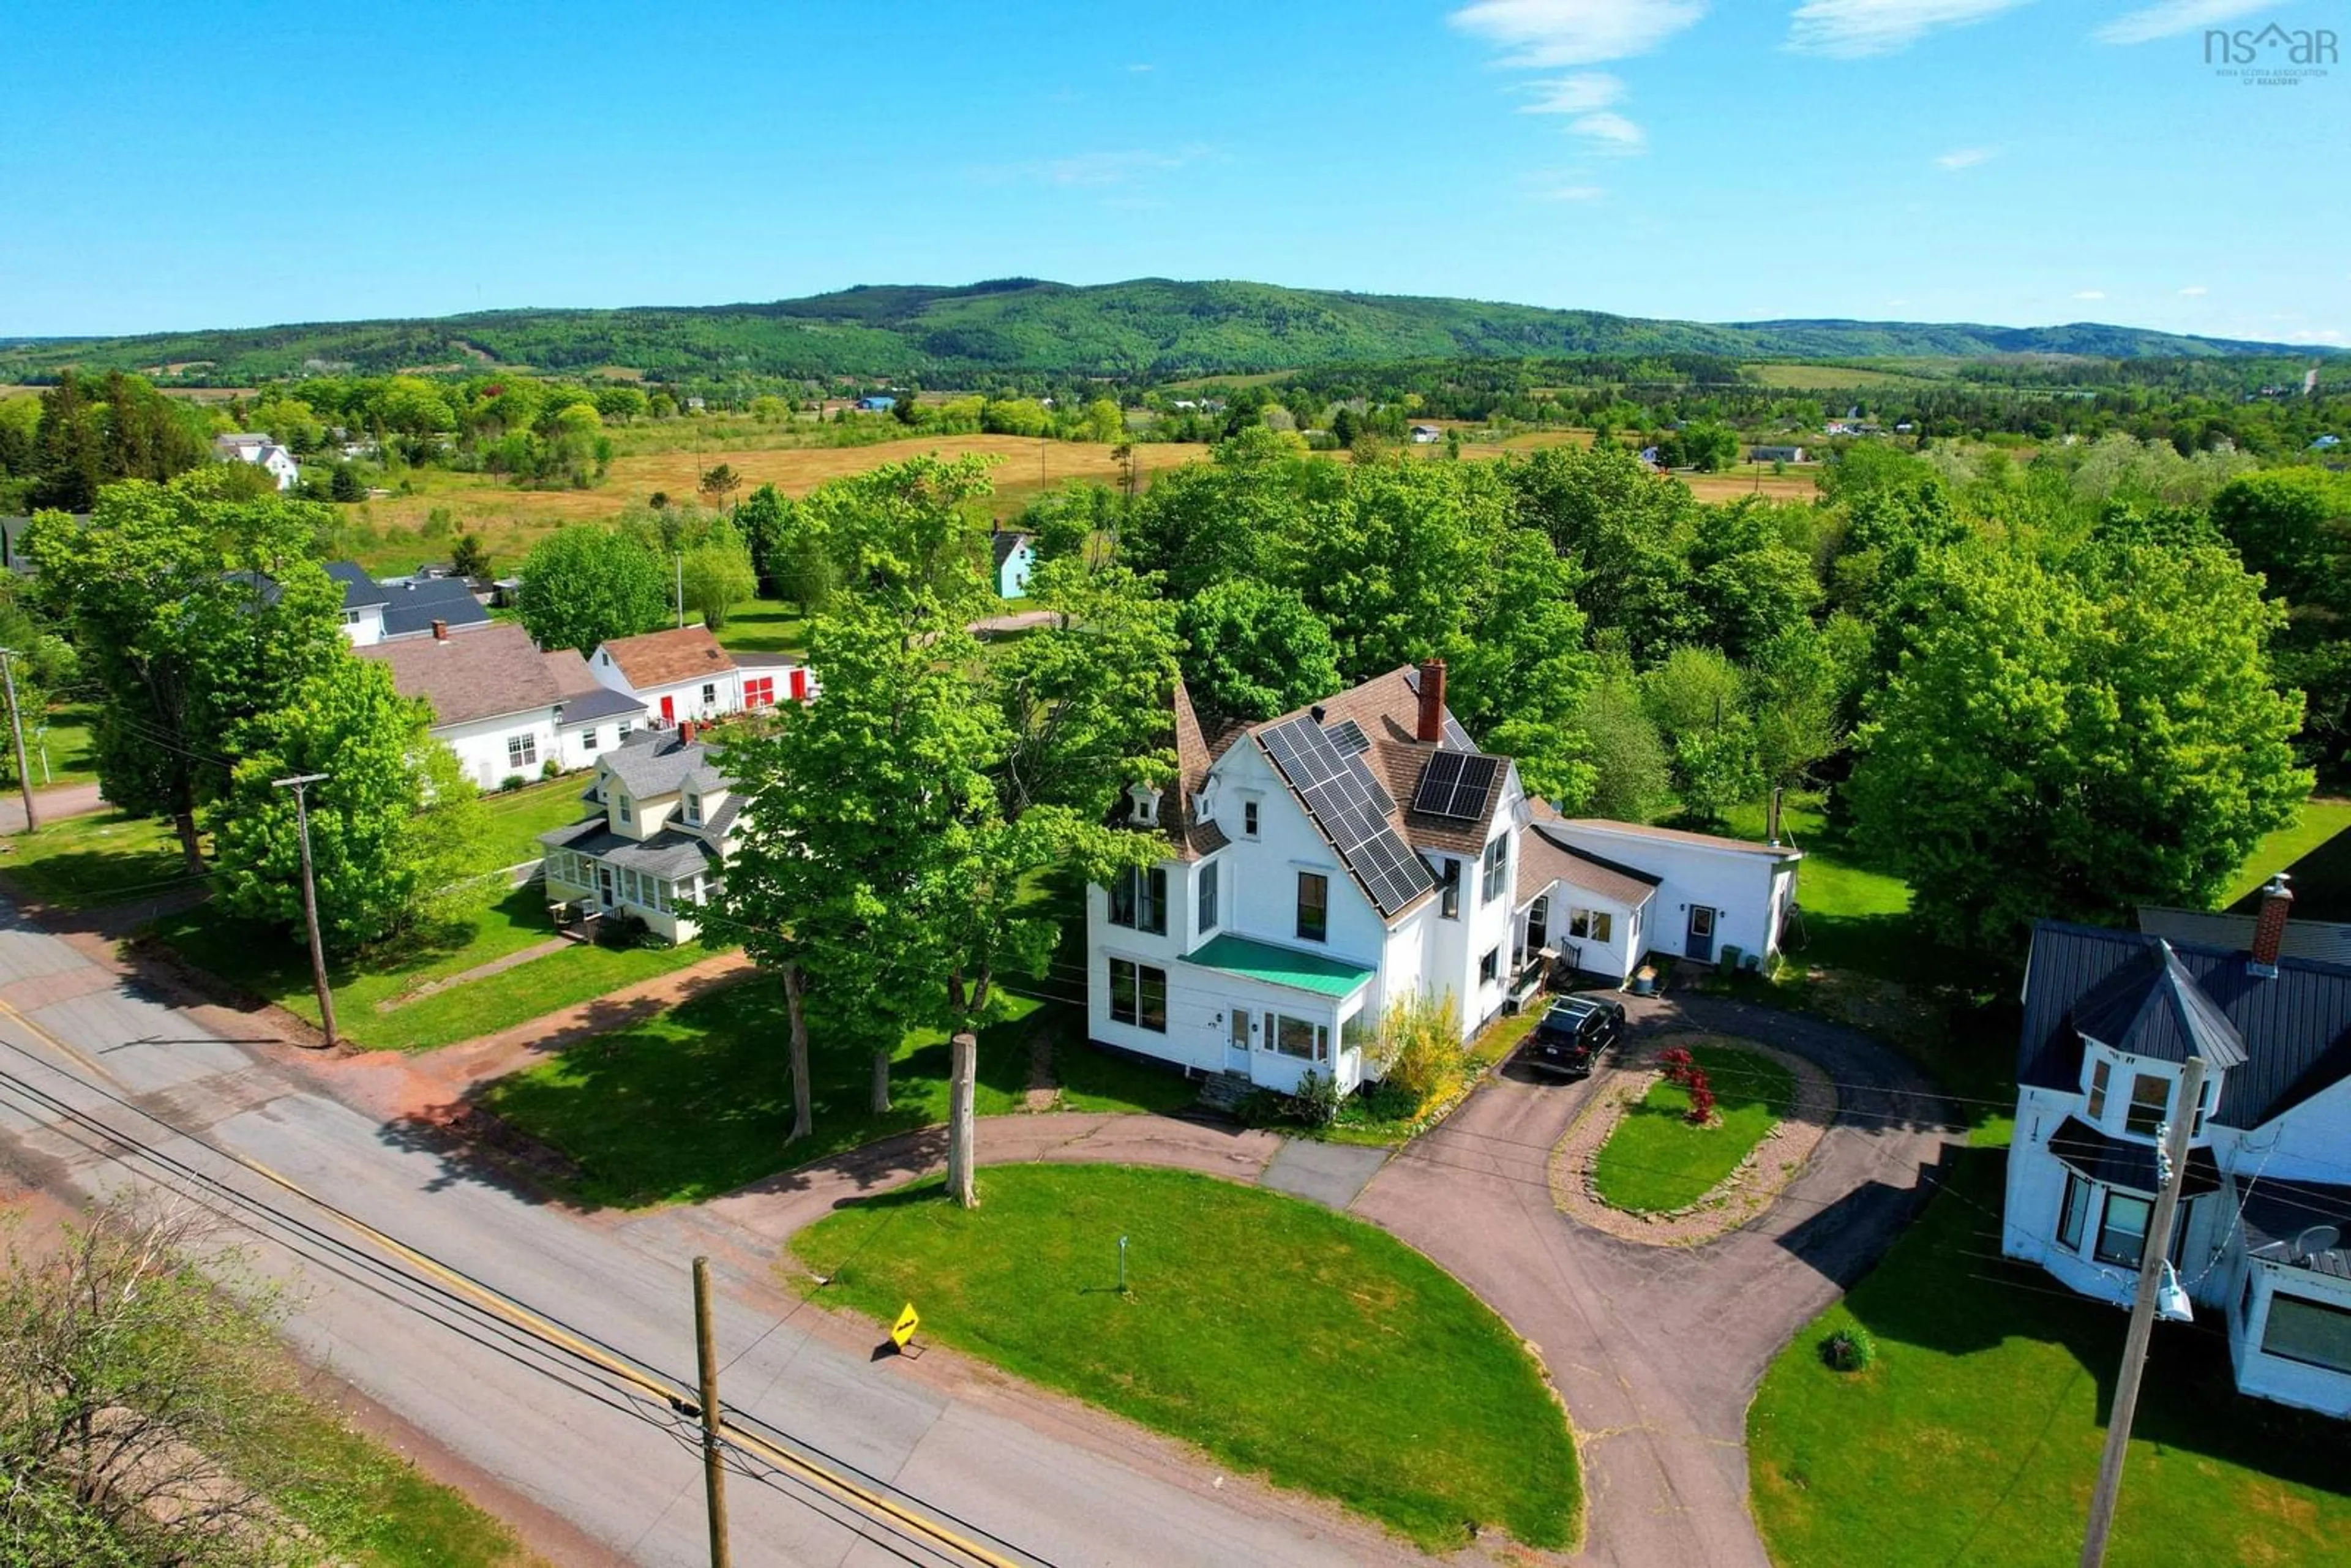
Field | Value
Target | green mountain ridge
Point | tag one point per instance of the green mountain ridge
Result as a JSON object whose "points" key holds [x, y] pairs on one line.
{"points": [[1146, 328]]}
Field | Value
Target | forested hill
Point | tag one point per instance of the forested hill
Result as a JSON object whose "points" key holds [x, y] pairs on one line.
{"points": [[1151, 328]]}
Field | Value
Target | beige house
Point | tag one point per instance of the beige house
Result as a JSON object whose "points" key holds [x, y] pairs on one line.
{"points": [[656, 846]]}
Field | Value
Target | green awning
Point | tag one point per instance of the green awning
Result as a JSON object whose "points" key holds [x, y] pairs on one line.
{"points": [[1279, 966]]}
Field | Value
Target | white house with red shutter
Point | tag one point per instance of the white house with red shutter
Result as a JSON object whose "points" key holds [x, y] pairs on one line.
{"points": [[688, 674]]}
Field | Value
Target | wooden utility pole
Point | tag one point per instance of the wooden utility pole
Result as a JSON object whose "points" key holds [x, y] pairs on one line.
{"points": [[963, 1069], [16, 727], [2153, 1250], [714, 1459], [300, 785]]}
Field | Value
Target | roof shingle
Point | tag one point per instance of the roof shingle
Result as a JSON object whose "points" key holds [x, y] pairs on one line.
{"points": [[667, 658], [494, 671]]}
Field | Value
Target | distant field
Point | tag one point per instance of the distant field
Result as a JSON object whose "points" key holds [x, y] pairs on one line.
{"points": [[509, 519]]}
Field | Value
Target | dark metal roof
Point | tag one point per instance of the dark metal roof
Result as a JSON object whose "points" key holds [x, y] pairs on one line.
{"points": [[2151, 1007], [602, 703], [414, 605], [1002, 543], [2295, 1026], [2128, 1163], [2282, 1214], [360, 590]]}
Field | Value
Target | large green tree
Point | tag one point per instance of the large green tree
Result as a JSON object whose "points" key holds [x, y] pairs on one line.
{"points": [[393, 826], [2073, 744], [1626, 528], [716, 575], [2293, 526], [583, 586], [903, 527], [1252, 650], [194, 616]]}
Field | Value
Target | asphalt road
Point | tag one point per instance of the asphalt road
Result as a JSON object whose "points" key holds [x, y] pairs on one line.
{"points": [[53, 805], [87, 1067]]}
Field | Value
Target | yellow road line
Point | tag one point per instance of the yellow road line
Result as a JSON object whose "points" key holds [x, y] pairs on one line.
{"points": [[839, 1487]]}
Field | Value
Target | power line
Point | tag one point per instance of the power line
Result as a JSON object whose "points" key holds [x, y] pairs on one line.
{"points": [[608, 1359]]}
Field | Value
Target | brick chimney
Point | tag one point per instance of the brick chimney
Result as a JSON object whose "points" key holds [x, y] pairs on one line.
{"points": [[686, 732], [440, 630], [2269, 926], [1432, 701]]}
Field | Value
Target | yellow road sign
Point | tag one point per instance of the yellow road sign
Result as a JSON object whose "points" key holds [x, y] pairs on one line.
{"points": [[904, 1329]]}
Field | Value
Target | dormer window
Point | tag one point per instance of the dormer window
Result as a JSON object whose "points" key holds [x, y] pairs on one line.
{"points": [[692, 807], [2101, 1071], [2150, 1099], [620, 804], [1144, 812]]}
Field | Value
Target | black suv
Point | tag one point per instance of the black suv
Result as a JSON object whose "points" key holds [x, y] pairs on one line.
{"points": [[1574, 1034]]}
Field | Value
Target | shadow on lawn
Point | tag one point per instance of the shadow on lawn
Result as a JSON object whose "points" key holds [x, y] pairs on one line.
{"points": [[1944, 1288], [2321, 881]]}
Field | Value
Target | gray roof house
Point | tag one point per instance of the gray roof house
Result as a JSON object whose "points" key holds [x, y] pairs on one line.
{"points": [[2111, 1020], [665, 815]]}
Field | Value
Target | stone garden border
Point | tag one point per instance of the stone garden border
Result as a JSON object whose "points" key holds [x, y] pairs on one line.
{"points": [[1738, 1197]]}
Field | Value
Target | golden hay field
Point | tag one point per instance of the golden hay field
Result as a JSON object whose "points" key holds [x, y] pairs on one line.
{"points": [[509, 519]]}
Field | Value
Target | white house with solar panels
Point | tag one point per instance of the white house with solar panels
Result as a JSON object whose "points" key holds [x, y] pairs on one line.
{"points": [[1323, 864]]}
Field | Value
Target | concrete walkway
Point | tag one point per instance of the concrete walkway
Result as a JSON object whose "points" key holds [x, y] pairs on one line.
{"points": [[1656, 1351]]}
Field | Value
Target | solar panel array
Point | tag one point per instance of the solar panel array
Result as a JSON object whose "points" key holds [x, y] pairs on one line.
{"points": [[1455, 737], [1352, 809], [1456, 784], [1349, 737]]}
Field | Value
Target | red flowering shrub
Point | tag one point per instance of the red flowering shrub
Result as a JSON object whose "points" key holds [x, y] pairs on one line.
{"points": [[1678, 1064], [1701, 1095]]}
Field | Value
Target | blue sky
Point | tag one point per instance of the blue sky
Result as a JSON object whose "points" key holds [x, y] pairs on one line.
{"points": [[2017, 161]]}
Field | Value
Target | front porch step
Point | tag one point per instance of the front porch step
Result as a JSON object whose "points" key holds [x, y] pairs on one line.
{"points": [[1226, 1091]]}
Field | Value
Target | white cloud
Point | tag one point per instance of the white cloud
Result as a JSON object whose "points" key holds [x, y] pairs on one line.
{"points": [[1093, 170], [1620, 133], [1966, 158], [1138, 69], [1849, 29], [2090, 294], [2194, 291], [1579, 94], [1542, 33], [2170, 16]]}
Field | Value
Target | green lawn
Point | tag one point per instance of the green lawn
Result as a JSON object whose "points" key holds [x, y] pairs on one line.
{"points": [[84, 862], [267, 963], [66, 744], [1656, 1160], [1285, 1339], [1854, 916], [1975, 1437], [517, 817], [698, 1102], [764, 626], [2317, 852]]}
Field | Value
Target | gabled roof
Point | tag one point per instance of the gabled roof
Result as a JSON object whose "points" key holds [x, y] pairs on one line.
{"points": [[1003, 543], [482, 675], [415, 604], [600, 703], [360, 590], [1544, 859], [2295, 1026], [656, 764], [667, 658]]}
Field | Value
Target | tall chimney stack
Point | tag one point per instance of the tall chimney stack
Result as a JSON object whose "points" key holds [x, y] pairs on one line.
{"points": [[686, 732], [2269, 926], [1432, 701]]}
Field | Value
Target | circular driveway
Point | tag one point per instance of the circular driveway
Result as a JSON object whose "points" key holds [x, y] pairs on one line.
{"points": [[1657, 1351]]}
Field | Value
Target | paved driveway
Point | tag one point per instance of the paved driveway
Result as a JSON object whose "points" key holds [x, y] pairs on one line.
{"points": [[1656, 1350]]}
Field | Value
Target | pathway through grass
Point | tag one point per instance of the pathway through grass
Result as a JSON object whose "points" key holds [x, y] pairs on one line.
{"points": [[1285, 1339], [1656, 1160]]}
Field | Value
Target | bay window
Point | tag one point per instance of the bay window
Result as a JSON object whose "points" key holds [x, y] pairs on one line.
{"points": [[2122, 1232], [2303, 1329], [2150, 1098]]}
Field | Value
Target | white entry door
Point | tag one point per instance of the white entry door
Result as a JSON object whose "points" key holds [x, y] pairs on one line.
{"points": [[1237, 1044]]}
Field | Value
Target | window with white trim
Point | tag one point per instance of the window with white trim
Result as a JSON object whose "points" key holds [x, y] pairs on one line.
{"points": [[1591, 925], [2150, 1099], [1138, 900], [2312, 1332], [1314, 906], [522, 750], [1301, 1038], [1497, 868], [758, 691], [2101, 1071], [1248, 819], [2122, 1229], [620, 804], [1209, 877], [2073, 1212], [1138, 995], [710, 694], [588, 739]]}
